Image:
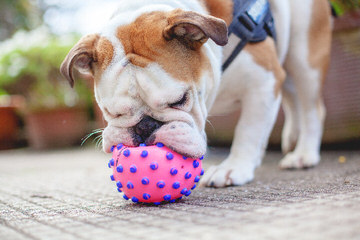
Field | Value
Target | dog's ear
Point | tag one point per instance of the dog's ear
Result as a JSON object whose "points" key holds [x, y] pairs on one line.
{"points": [[194, 29], [80, 57]]}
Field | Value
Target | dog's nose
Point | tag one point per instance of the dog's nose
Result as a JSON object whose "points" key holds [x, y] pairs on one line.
{"points": [[145, 128]]}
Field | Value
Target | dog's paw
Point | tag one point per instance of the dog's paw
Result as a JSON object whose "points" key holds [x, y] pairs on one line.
{"points": [[296, 160], [225, 175]]}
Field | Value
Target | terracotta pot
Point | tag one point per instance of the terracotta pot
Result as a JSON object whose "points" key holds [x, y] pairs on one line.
{"points": [[56, 128], [9, 126]]}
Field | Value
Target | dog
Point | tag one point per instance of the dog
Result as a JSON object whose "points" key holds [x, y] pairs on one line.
{"points": [[157, 76]]}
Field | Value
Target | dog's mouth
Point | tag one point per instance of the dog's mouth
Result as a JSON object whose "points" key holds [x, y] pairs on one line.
{"points": [[178, 136], [144, 131]]}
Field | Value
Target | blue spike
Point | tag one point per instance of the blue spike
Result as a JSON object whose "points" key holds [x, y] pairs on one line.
{"points": [[196, 164], [184, 191], [187, 193], [193, 187], [184, 157], [169, 156], [127, 153], [119, 184], [145, 181], [173, 171], [179, 198], [112, 162], [188, 175], [142, 145], [125, 197], [154, 165], [134, 199], [133, 168], [167, 197], [130, 185], [201, 158], [172, 201], [202, 172], [160, 145], [109, 164], [120, 168], [112, 148], [119, 146], [197, 179], [144, 154], [146, 196], [157, 203], [112, 178], [176, 185], [160, 184], [119, 190]]}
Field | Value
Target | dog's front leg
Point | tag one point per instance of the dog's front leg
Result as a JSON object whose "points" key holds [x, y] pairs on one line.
{"points": [[259, 111]]}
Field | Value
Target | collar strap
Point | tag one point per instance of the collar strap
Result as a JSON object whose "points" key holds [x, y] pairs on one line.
{"points": [[252, 22]]}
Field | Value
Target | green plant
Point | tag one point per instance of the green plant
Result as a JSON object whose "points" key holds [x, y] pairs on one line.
{"points": [[29, 65], [343, 6]]}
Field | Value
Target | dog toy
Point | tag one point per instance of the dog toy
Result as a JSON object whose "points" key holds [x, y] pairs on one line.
{"points": [[153, 174]]}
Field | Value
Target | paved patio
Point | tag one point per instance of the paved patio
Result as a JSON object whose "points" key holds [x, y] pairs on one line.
{"points": [[68, 195]]}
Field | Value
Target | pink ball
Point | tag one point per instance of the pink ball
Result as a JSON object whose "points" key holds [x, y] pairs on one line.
{"points": [[153, 174]]}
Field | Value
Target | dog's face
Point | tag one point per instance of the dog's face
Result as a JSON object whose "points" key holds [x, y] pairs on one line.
{"points": [[150, 77]]}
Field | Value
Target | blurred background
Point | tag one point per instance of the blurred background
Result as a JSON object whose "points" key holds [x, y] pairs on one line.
{"points": [[39, 110]]}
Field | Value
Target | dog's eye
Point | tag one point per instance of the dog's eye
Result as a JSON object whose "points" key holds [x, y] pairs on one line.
{"points": [[181, 102]]}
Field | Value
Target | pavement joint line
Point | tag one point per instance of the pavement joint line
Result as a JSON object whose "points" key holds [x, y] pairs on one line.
{"points": [[162, 213], [316, 203], [130, 212], [170, 208], [60, 214], [94, 212], [215, 206], [17, 230], [37, 220]]}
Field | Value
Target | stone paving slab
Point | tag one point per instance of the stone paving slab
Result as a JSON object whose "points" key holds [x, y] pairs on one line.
{"points": [[68, 195]]}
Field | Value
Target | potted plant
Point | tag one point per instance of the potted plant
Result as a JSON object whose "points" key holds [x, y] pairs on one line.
{"points": [[55, 115]]}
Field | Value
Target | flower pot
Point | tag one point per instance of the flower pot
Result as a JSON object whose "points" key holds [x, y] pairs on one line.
{"points": [[55, 128], [9, 126]]}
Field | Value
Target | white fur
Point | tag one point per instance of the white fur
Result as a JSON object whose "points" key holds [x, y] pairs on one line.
{"points": [[134, 92], [253, 87], [246, 87], [305, 111]]}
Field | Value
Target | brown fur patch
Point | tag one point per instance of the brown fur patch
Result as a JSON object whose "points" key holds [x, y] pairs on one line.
{"points": [[92, 54], [221, 9], [104, 51], [103, 55], [320, 37], [264, 54], [144, 43]]}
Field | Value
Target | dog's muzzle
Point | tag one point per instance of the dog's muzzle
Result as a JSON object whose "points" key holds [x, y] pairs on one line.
{"points": [[144, 129]]}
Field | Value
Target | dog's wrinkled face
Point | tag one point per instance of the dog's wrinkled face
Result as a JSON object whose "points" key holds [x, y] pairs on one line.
{"points": [[149, 78]]}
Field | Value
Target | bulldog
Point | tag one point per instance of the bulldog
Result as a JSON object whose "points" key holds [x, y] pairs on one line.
{"points": [[157, 71]]}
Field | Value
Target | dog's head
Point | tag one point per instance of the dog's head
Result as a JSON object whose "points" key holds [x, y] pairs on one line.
{"points": [[152, 74]]}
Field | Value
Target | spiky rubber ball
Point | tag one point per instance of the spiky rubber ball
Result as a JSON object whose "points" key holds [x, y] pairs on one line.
{"points": [[154, 174]]}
